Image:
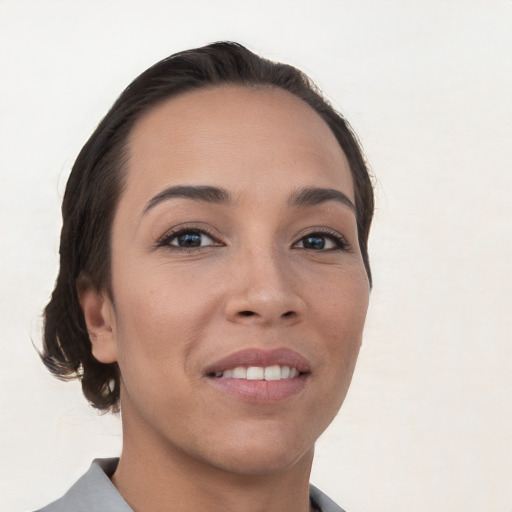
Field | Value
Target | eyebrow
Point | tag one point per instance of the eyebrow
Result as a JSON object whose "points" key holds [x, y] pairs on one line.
{"points": [[312, 196], [203, 193], [304, 197]]}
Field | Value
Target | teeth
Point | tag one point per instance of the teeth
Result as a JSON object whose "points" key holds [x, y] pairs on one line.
{"points": [[255, 373], [240, 372], [274, 372]]}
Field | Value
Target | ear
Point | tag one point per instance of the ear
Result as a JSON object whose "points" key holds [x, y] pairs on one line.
{"points": [[100, 320]]}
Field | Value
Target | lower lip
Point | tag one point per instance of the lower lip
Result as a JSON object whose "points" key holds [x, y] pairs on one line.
{"points": [[260, 391]]}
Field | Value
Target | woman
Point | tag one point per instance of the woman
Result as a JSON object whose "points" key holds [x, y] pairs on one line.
{"points": [[213, 284]]}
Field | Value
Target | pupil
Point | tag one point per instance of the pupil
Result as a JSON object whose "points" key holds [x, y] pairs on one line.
{"points": [[314, 242], [189, 240]]}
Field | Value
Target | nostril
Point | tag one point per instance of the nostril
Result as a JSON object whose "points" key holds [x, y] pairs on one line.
{"points": [[288, 314], [247, 313]]}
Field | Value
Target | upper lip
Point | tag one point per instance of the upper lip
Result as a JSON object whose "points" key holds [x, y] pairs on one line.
{"points": [[260, 357]]}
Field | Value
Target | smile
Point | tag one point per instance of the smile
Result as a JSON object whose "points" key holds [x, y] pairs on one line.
{"points": [[260, 376], [275, 372]]}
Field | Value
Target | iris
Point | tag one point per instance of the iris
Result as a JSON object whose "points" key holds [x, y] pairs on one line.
{"points": [[314, 242], [189, 240]]}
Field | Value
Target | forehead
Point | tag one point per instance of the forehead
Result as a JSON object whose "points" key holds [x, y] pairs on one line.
{"points": [[238, 137]]}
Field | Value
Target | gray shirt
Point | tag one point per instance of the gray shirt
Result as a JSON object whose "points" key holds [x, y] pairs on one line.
{"points": [[94, 492]]}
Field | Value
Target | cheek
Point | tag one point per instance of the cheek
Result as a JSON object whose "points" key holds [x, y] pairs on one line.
{"points": [[160, 315], [341, 302], [159, 321], [340, 307]]}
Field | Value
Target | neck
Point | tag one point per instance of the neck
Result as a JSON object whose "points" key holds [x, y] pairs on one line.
{"points": [[155, 476]]}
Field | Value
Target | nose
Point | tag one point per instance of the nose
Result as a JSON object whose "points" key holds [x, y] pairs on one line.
{"points": [[264, 291]]}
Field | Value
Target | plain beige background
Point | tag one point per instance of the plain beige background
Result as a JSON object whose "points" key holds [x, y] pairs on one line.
{"points": [[426, 84]]}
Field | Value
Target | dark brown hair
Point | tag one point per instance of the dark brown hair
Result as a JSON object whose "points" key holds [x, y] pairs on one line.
{"points": [[96, 182]]}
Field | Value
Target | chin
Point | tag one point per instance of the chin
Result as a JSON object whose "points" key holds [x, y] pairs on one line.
{"points": [[260, 464], [263, 454]]}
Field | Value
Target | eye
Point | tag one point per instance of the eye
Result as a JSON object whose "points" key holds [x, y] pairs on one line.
{"points": [[187, 239], [322, 242]]}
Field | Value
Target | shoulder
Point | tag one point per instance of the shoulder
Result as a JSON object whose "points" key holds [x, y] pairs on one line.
{"points": [[322, 501], [93, 492]]}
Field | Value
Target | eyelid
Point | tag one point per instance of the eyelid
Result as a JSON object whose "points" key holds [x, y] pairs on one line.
{"points": [[341, 242], [163, 241]]}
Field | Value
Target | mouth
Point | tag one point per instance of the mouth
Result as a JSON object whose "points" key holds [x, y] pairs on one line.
{"points": [[260, 376], [274, 372]]}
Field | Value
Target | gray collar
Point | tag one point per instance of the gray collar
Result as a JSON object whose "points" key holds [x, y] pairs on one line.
{"points": [[94, 492]]}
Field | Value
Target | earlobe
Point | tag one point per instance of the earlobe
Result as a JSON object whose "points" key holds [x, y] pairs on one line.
{"points": [[99, 318]]}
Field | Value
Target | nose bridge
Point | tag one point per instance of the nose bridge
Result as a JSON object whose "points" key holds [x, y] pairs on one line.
{"points": [[263, 289], [266, 276]]}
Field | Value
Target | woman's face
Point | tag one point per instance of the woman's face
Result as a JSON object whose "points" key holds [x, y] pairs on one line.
{"points": [[234, 246]]}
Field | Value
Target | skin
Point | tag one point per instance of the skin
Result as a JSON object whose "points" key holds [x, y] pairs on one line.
{"points": [[251, 284]]}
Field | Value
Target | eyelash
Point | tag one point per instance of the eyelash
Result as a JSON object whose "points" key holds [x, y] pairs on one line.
{"points": [[339, 241], [165, 241]]}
